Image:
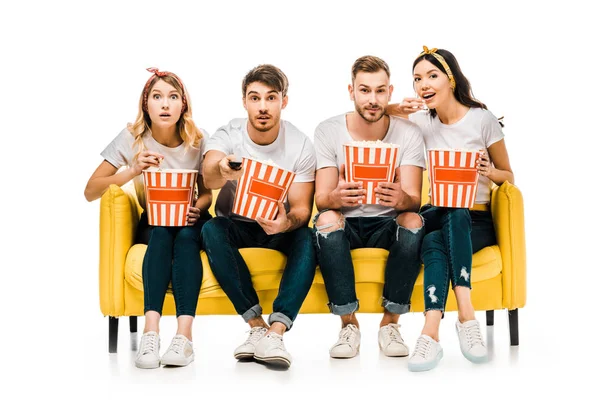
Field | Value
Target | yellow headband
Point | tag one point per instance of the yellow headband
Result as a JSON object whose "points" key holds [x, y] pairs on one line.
{"points": [[434, 53]]}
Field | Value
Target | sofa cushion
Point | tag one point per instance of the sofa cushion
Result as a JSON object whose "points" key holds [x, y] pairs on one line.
{"points": [[266, 268]]}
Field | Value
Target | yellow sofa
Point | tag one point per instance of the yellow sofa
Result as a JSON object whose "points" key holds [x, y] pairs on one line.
{"points": [[498, 276]]}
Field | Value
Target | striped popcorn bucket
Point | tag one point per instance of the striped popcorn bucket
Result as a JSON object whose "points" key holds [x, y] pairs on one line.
{"points": [[260, 188], [169, 195], [370, 165], [453, 177]]}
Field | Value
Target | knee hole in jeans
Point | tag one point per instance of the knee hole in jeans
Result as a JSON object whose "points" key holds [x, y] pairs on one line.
{"points": [[410, 220], [329, 221]]}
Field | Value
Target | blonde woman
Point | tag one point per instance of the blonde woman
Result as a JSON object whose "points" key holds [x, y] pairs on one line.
{"points": [[163, 134]]}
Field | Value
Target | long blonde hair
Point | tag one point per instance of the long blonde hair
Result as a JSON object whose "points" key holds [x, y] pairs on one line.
{"points": [[186, 128]]}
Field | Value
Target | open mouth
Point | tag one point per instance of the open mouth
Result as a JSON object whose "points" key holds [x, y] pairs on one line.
{"points": [[428, 96]]}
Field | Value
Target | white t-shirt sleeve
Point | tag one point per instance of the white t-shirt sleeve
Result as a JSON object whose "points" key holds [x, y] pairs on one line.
{"points": [[220, 141], [324, 149], [414, 150], [305, 171], [491, 129], [119, 152]]}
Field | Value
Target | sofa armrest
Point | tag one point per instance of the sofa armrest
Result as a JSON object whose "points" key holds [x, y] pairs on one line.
{"points": [[119, 216], [509, 222]]}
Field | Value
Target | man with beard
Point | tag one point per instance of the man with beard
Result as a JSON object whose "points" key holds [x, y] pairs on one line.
{"points": [[262, 136], [345, 223]]}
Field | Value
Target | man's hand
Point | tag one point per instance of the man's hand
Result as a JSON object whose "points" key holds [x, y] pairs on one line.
{"points": [[226, 171], [347, 194], [390, 194], [280, 224]]}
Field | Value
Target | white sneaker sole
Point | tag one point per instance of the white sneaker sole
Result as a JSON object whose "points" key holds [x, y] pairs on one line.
{"points": [[147, 364], [345, 356], [427, 365], [276, 361], [243, 356], [402, 353], [177, 363]]}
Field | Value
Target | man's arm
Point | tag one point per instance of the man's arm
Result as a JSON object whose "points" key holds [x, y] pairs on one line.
{"points": [[216, 170]]}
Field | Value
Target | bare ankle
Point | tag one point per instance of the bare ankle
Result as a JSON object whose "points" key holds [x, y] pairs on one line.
{"points": [[258, 322]]}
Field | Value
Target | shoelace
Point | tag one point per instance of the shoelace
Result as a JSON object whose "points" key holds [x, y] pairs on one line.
{"points": [[422, 347], [473, 334], [177, 344], [346, 334], [394, 334], [149, 344], [255, 335]]}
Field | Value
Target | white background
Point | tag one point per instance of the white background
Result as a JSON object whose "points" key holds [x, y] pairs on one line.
{"points": [[72, 74]]}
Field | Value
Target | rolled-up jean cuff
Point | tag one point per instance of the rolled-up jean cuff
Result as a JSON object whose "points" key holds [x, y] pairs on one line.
{"points": [[279, 317], [395, 308], [255, 311], [343, 309]]}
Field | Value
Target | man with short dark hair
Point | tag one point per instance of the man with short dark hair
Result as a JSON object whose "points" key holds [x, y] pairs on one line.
{"points": [[262, 136]]}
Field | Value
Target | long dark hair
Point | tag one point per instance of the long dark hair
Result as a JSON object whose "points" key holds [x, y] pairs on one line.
{"points": [[462, 91]]}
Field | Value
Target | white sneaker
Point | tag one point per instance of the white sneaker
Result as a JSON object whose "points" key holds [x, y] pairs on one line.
{"points": [[246, 350], [271, 349], [147, 355], [426, 356], [180, 353], [471, 341], [391, 342], [348, 343]]}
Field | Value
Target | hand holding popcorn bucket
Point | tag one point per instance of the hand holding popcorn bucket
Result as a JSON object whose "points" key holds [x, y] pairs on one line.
{"points": [[370, 163], [259, 189], [453, 177], [169, 194]]}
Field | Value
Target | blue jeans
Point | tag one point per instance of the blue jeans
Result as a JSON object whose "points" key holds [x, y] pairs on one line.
{"points": [[453, 235], [401, 270], [173, 255], [224, 236]]}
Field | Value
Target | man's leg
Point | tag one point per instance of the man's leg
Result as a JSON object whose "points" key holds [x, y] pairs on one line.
{"points": [[332, 246], [402, 268], [296, 281], [222, 237]]}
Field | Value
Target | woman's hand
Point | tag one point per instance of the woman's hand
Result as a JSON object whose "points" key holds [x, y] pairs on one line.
{"points": [[147, 159], [484, 165], [193, 215], [408, 106]]}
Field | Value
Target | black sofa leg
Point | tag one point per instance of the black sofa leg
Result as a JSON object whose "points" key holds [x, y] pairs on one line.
{"points": [[133, 324], [489, 317], [113, 333], [513, 323]]}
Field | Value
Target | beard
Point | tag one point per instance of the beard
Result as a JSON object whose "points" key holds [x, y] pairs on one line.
{"points": [[270, 123], [369, 118]]}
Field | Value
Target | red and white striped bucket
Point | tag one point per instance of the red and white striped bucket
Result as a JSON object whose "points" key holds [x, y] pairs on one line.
{"points": [[260, 188], [453, 177], [370, 165], [169, 194]]}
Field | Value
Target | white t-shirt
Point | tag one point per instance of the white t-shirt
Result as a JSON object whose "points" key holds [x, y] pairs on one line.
{"points": [[121, 151], [292, 150], [332, 134], [478, 129]]}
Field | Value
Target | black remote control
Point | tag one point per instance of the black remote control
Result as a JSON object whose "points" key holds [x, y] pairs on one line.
{"points": [[235, 164]]}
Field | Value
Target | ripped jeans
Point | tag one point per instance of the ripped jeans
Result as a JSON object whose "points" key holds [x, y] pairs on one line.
{"points": [[402, 267], [453, 235]]}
